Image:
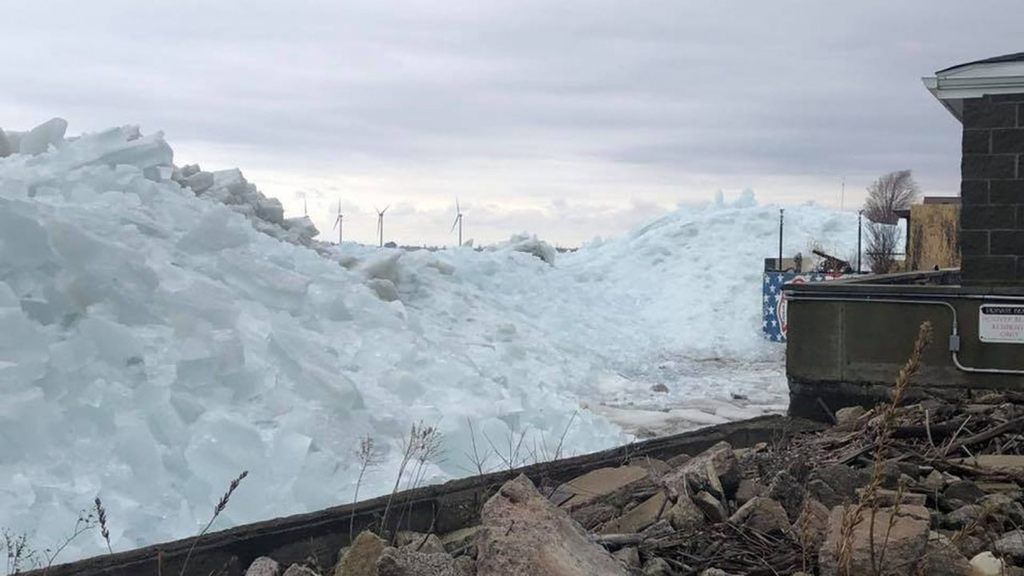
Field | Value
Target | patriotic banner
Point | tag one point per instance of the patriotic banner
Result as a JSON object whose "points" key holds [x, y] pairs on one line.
{"points": [[774, 300]]}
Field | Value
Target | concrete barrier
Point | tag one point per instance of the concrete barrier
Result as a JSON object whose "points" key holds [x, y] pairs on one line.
{"points": [[440, 508]]}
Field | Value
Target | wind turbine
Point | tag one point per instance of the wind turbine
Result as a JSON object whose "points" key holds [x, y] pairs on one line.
{"points": [[458, 220], [339, 222], [380, 223]]}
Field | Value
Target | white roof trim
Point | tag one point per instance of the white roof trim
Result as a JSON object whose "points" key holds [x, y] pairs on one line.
{"points": [[951, 87]]}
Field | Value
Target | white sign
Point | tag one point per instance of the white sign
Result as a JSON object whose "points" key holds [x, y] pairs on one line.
{"points": [[1001, 323]]}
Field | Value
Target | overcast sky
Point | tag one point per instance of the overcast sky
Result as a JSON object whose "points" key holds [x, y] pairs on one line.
{"points": [[569, 119]]}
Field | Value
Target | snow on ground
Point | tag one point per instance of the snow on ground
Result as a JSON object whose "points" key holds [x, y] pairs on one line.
{"points": [[155, 343]]}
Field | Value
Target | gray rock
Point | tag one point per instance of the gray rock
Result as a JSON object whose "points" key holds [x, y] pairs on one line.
{"points": [[263, 566], [1011, 544], [763, 515], [716, 470], [629, 556], [890, 473], [408, 562], [812, 525], [525, 534], [848, 416], [841, 482], [1003, 508], [960, 493], [361, 558], [299, 570], [963, 516], [685, 515], [941, 558], [426, 543], [747, 489], [786, 490], [466, 565], [657, 567], [903, 532], [639, 517], [934, 482], [712, 507]]}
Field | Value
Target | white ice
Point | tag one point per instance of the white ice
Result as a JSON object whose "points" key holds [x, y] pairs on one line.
{"points": [[158, 339]]}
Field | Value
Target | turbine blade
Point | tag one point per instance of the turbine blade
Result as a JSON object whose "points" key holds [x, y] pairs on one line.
{"points": [[454, 224], [458, 210]]}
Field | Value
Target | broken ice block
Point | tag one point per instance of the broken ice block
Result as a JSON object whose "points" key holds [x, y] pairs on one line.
{"points": [[39, 139]]}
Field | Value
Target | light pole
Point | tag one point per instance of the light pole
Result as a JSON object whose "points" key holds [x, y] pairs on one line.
{"points": [[860, 229]]}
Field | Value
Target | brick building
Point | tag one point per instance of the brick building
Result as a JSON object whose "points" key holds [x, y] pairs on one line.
{"points": [[987, 97]]}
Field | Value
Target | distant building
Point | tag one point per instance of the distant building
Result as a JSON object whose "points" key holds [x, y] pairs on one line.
{"points": [[933, 234]]}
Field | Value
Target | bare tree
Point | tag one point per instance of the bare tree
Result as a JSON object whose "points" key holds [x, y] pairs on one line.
{"points": [[882, 243], [890, 193]]}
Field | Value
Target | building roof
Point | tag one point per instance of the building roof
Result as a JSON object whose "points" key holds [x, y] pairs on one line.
{"points": [[1015, 57], [940, 200], [997, 75]]}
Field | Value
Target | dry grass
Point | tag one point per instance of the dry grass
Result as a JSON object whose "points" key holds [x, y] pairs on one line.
{"points": [[369, 457], [221, 505], [20, 553], [101, 517], [422, 444]]}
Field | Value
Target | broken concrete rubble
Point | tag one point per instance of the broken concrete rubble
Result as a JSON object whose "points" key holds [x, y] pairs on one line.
{"points": [[525, 534]]}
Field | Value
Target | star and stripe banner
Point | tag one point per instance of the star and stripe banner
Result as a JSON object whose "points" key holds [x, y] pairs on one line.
{"points": [[774, 301]]}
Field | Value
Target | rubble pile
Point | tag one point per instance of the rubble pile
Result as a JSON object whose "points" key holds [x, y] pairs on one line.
{"points": [[940, 495]]}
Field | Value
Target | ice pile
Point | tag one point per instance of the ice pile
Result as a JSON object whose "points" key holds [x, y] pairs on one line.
{"points": [[159, 336], [676, 303], [155, 343]]}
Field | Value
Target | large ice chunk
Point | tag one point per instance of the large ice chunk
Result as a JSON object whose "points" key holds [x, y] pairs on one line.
{"points": [[40, 138], [302, 226], [218, 229], [5, 145]]}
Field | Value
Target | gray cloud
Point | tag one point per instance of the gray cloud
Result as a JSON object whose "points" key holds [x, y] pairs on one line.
{"points": [[513, 105]]}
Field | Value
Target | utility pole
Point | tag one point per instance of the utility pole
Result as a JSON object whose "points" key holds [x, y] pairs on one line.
{"points": [[860, 229], [781, 220]]}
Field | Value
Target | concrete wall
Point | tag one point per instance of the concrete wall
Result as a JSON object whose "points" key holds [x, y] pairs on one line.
{"points": [[992, 191], [848, 353]]}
